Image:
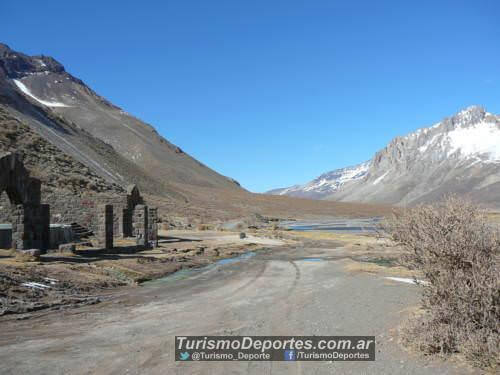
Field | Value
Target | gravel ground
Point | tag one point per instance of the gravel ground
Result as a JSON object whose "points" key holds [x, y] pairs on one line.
{"points": [[275, 292]]}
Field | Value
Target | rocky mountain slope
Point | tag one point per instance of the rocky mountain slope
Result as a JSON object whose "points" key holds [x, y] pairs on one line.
{"points": [[38, 91], [80, 144], [460, 154], [45, 161]]}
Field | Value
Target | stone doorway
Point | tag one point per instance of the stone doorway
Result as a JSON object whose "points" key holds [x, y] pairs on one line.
{"points": [[134, 199], [29, 218]]}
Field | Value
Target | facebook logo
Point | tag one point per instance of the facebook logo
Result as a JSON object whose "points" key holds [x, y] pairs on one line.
{"points": [[289, 355]]}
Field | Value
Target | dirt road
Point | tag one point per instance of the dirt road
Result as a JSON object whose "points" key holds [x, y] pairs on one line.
{"points": [[283, 291]]}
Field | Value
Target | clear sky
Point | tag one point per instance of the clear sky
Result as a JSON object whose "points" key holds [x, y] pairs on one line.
{"points": [[273, 92]]}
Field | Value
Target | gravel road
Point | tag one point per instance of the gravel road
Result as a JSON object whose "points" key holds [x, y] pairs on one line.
{"points": [[276, 292]]}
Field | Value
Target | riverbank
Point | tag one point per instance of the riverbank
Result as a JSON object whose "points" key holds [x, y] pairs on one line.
{"points": [[89, 276], [60, 281]]}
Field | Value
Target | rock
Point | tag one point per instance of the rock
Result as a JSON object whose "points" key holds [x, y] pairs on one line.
{"points": [[67, 248], [64, 248], [35, 253]]}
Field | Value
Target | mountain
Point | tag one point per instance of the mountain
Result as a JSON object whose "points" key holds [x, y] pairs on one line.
{"points": [[87, 150], [460, 154], [326, 184], [122, 149]]}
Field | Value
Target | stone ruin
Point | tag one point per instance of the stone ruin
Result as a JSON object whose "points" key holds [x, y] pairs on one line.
{"points": [[31, 219], [138, 220]]}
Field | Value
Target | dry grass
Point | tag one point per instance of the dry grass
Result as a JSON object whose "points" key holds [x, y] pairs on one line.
{"points": [[494, 217], [211, 204], [25, 258], [347, 238], [373, 268], [457, 250]]}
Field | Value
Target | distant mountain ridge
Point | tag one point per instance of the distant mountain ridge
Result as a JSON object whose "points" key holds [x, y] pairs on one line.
{"points": [[326, 184], [460, 154]]}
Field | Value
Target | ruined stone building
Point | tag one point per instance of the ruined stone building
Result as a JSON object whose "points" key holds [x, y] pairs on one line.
{"points": [[106, 216]]}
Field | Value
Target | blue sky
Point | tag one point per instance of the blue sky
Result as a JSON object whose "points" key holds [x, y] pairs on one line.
{"points": [[272, 92]]}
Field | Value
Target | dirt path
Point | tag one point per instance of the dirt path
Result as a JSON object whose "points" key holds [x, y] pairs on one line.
{"points": [[275, 292]]}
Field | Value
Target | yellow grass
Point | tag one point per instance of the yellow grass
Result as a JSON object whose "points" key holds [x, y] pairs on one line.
{"points": [[353, 266], [494, 217], [350, 238]]}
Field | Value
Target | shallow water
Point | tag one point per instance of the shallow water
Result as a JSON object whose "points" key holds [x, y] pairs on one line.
{"points": [[363, 225], [190, 272], [331, 229], [312, 259]]}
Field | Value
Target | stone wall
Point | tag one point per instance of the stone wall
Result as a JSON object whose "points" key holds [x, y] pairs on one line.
{"points": [[153, 226], [140, 222], [105, 226], [67, 208], [133, 199], [21, 206], [30, 226], [30, 219], [5, 209]]}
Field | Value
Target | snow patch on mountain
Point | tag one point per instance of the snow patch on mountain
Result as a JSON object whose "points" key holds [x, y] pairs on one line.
{"points": [[337, 178], [479, 139], [379, 179], [27, 92]]}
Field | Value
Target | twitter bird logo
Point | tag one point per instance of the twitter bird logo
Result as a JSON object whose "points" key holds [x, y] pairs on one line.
{"points": [[184, 356]]}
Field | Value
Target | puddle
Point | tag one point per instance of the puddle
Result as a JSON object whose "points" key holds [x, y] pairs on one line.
{"points": [[235, 259], [190, 272], [330, 229], [361, 225]]}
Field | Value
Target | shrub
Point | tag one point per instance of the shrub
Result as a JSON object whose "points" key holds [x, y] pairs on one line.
{"points": [[457, 250]]}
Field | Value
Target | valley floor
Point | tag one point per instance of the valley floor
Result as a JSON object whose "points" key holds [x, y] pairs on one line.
{"points": [[65, 280], [313, 284]]}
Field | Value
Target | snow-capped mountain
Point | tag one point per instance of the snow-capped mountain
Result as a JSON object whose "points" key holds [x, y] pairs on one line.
{"points": [[326, 184], [460, 154]]}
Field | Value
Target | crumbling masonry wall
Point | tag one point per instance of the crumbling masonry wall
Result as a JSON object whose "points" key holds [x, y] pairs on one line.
{"points": [[153, 226], [5, 209], [30, 219], [20, 197], [126, 221], [31, 227], [67, 208], [140, 222], [105, 226]]}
